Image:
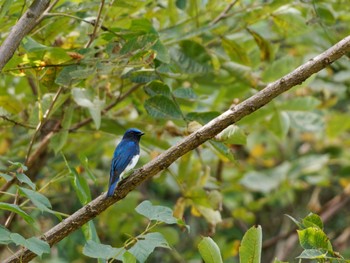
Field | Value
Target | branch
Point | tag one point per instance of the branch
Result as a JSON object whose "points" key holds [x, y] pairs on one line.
{"points": [[24, 25], [223, 14], [208, 131]]}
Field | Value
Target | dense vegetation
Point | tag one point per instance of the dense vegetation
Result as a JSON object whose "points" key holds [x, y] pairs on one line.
{"points": [[91, 69]]}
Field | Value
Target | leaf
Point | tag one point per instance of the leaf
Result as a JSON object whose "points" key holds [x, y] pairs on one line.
{"points": [[37, 246], [128, 257], [146, 244], [264, 45], [224, 152], [232, 135], [59, 139], [157, 87], [140, 42], [64, 78], [162, 53], [6, 177], [209, 250], [79, 184], [313, 238], [299, 224], [307, 121], [96, 250], [212, 216], [5, 236], [30, 45], [337, 123], [279, 124], [142, 25], [82, 97], [313, 220], [278, 68], [299, 104], [142, 76], [161, 107], [250, 249], [266, 180], [16, 209], [235, 51], [155, 212], [39, 200], [185, 93], [312, 254], [89, 231], [202, 117]]}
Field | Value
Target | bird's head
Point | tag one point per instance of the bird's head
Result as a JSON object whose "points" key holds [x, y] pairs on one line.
{"points": [[133, 133]]}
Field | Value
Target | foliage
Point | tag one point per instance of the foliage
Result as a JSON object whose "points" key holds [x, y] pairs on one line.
{"points": [[167, 68]]}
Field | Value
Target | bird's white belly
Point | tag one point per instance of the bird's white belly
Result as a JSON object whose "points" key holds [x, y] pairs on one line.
{"points": [[131, 165]]}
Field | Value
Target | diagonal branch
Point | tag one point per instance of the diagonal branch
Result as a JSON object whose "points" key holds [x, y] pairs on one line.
{"points": [[208, 131], [24, 25]]}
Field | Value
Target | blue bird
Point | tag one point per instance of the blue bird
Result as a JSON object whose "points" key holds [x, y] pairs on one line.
{"points": [[125, 157]]}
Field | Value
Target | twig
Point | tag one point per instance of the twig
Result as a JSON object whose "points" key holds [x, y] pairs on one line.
{"points": [[97, 25], [208, 131], [223, 13], [16, 122], [41, 123], [24, 25]]}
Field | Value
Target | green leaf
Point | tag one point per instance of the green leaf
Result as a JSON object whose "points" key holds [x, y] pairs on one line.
{"points": [[142, 42], [64, 78], [307, 121], [278, 68], [250, 249], [209, 250], [161, 107], [79, 184], [235, 51], [162, 53], [185, 93], [146, 244], [59, 139], [155, 212], [313, 238], [128, 257], [266, 180], [312, 254], [17, 210], [232, 135], [96, 250], [279, 124], [202, 117], [142, 25], [84, 99], [39, 200], [313, 220], [264, 45], [30, 45], [224, 152], [157, 87], [89, 231], [5, 236], [142, 76], [181, 4], [299, 224], [337, 123], [37, 246], [299, 104], [6, 177]]}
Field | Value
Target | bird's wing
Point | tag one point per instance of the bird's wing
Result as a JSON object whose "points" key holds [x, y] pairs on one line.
{"points": [[123, 155]]}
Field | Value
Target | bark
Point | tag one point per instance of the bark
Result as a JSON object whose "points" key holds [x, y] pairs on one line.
{"points": [[208, 131], [24, 25]]}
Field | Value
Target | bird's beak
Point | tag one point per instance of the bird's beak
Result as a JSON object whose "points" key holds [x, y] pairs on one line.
{"points": [[142, 133]]}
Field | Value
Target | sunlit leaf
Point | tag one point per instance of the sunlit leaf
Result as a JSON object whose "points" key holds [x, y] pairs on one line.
{"points": [[209, 250], [146, 244], [96, 250], [250, 249], [154, 212]]}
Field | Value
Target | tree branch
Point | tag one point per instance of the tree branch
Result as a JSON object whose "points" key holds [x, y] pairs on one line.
{"points": [[24, 25], [208, 131]]}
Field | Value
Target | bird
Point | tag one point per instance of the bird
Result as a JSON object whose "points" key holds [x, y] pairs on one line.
{"points": [[125, 157]]}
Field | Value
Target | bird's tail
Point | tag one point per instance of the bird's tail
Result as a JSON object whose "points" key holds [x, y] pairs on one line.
{"points": [[111, 189]]}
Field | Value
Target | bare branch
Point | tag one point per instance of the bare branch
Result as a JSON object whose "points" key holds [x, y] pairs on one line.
{"points": [[208, 131], [223, 14], [24, 25]]}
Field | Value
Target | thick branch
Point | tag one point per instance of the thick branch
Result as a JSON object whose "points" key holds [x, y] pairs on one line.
{"points": [[192, 141], [24, 25]]}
